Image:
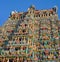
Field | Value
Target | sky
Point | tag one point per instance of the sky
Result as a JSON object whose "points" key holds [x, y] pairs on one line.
{"points": [[6, 6]]}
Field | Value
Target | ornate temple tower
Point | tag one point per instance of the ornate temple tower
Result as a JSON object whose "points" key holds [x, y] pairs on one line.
{"points": [[32, 35]]}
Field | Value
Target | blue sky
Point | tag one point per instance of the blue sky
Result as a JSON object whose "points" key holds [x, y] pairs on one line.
{"points": [[6, 6]]}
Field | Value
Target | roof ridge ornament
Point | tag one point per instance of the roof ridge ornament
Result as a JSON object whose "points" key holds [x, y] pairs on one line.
{"points": [[55, 8], [32, 6]]}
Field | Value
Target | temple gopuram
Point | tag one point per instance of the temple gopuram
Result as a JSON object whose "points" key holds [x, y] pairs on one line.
{"points": [[31, 36]]}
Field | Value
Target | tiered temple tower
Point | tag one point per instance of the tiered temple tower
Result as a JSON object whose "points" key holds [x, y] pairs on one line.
{"points": [[31, 35]]}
